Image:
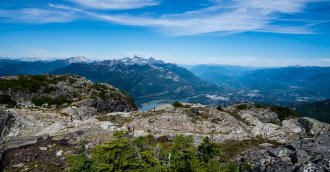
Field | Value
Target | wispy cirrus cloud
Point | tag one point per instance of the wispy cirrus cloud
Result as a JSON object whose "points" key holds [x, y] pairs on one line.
{"points": [[237, 16], [234, 16], [36, 16], [116, 4]]}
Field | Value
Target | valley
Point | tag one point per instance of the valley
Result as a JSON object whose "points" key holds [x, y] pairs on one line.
{"points": [[154, 82], [149, 80]]}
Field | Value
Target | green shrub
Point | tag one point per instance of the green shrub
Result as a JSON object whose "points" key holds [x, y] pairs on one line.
{"points": [[208, 149], [78, 163], [178, 104], [6, 99], [102, 95], [219, 108], [130, 99], [50, 101], [131, 102], [40, 78], [49, 89], [242, 107], [102, 90], [283, 113], [183, 152], [145, 153], [31, 83], [21, 84], [120, 155], [260, 106], [100, 87]]}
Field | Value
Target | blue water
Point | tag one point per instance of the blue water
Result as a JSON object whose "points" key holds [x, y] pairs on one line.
{"points": [[152, 104]]}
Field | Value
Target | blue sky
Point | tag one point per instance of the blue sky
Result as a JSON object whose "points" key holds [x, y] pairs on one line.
{"points": [[235, 32]]}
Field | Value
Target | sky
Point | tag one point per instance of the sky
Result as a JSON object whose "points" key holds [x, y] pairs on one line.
{"points": [[231, 32]]}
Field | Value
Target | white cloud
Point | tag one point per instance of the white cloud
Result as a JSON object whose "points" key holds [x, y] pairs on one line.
{"points": [[38, 16], [238, 16], [284, 6], [222, 17], [116, 4]]}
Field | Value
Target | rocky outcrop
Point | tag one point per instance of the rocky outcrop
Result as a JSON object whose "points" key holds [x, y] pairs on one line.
{"points": [[227, 124], [6, 121], [196, 120], [62, 91], [56, 104], [312, 126], [305, 154], [52, 106], [114, 104], [42, 131]]}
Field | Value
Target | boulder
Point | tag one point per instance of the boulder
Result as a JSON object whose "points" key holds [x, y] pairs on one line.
{"points": [[313, 126], [79, 113], [300, 156], [304, 154], [280, 152], [291, 126]]}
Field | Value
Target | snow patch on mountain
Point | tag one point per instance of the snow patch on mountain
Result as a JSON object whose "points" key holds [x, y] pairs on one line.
{"points": [[136, 60], [216, 97], [79, 59]]}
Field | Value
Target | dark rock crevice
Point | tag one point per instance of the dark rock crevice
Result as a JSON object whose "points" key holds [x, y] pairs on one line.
{"points": [[6, 121]]}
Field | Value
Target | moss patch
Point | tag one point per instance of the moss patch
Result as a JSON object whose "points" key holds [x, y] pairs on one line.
{"points": [[243, 107], [232, 148], [32, 83]]}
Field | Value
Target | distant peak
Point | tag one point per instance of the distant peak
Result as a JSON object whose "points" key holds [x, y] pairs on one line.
{"points": [[153, 60], [140, 60], [78, 59], [137, 57]]}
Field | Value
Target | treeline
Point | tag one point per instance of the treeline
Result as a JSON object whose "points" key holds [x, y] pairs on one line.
{"points": [[125, 153]]}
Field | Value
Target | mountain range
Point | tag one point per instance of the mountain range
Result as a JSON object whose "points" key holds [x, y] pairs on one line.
{"points": [[151, 82], [144, 79], [22, 66]]}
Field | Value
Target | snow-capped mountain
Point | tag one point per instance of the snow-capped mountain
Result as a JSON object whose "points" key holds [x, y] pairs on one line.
{"points": [[140, 61], [78, 59], [144, 79]]}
